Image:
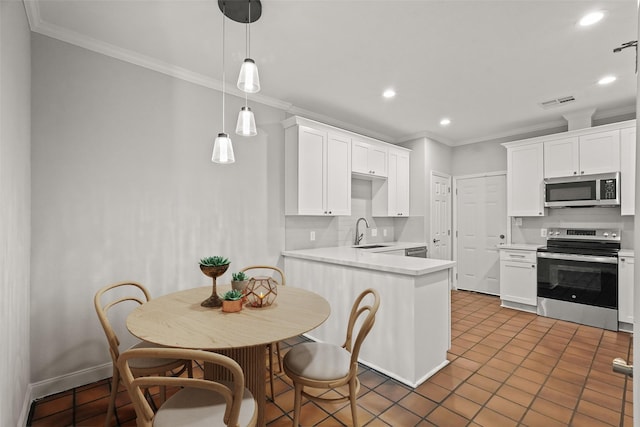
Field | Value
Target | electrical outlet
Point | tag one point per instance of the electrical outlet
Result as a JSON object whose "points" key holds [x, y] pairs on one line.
{"points": [[312, 236], [374, 232], [384, 232], [543, 232], [518, 222]]}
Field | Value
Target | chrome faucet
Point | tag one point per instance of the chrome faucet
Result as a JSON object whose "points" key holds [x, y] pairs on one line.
{"points": [[359, 236]]}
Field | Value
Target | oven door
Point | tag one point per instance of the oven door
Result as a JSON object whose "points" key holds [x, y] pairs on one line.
{"points": [[584, 279]]}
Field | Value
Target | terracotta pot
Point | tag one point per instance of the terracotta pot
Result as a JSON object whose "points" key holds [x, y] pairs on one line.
{"points": [[240, 285], [231, 306]]}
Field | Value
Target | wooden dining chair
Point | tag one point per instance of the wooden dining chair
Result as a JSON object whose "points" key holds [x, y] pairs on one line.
{"points": [[197, 402], [117, 295], [328, 366], [271, 347]]}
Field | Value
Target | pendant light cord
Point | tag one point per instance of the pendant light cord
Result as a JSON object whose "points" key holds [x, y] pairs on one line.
{"points": [[247, 48], [223, 68]]}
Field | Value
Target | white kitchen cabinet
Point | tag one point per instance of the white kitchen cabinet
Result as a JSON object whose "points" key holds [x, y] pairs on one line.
{"points": [[518, 279], [525, 179], [390, 197], [561, 157], [317, 171], [625, 288], [594, 153], [628, 171], [369, 158]]}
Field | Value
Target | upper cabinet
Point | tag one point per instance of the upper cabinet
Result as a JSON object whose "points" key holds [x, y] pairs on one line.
{"points": [[390, 197], [317, 171], [369, 158], [319, 162], [627, 171], [594, 153], [524, 179]]}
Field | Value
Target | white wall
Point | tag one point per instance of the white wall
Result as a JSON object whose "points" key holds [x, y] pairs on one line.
{"points": [[124, 189], [15, 210]]}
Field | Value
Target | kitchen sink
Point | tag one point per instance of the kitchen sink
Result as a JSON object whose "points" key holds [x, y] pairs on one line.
{"points": [[370, 246]]}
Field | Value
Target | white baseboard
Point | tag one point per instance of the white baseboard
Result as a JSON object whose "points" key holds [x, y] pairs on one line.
{"points": [[62, 383]]}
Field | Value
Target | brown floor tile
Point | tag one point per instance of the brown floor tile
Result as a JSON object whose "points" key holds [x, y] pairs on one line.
{"points": [[507, 367]]}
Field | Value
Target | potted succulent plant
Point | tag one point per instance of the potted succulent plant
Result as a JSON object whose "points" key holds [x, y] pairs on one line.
{"points": [[232, 301], [213, 267], [239, 281]]}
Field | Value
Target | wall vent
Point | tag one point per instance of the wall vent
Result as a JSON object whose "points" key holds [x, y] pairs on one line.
{"points": [[557, 102]]}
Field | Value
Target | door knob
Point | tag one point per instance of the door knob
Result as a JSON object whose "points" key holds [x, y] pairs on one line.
{"points": [[436, 240], [620, 366]]}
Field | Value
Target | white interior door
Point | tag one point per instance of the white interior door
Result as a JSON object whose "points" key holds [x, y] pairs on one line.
{"points": [[480, 227], [440, 243]]}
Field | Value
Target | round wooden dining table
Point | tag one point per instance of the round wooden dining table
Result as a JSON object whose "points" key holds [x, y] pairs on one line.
{"points": [[178, 320]]}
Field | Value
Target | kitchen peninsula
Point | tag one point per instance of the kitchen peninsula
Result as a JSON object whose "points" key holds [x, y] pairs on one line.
{"points": [[412, 332]]}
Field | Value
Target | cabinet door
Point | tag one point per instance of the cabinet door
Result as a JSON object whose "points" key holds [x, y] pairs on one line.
{"points": [[402, 187], [378, 160], [625, 289], [628, 171], [338, 175], [561, 157], [524, 180], [359, 157], [518, 282], [600, 152], [311, 167]]}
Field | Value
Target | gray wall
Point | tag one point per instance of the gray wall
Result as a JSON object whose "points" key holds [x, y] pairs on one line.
{"points": [[124, 189], [15, 210]]}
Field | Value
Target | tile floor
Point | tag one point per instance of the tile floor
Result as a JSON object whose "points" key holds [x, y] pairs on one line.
{"points": [[507, 368]]}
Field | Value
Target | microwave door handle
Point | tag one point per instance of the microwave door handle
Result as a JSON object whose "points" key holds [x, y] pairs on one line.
{"points": [[576, 257]]}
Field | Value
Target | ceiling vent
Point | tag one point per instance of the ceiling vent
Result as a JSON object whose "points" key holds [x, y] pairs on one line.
{"points": [[557, 102]]}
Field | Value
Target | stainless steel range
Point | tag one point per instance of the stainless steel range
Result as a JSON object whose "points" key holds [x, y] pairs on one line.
{"points": [[578, 276]]}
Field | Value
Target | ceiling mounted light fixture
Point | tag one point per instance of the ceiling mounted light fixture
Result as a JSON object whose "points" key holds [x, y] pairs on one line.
{"points": [[245, 12], [591, 18], [389, 93], [606, 80], [445, 122], [246, 125], [222, 147]]}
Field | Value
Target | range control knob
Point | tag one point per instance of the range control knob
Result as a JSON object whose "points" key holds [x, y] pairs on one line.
{"points": [[605, 234], [614, 235], [557, 233]]}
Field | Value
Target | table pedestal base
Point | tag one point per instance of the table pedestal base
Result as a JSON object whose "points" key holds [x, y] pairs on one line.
{"points": [[252, 361]]}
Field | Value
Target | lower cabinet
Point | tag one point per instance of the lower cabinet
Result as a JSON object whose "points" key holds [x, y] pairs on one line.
{"points": [[625, 288], [518, 279]]}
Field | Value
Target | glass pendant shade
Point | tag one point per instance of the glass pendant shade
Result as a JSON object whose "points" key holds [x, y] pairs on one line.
{"points": [[249, 81], [246, 125], [223, 150]]}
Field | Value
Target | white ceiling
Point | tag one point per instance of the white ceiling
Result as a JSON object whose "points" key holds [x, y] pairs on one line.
{"points": [[484, 64]]}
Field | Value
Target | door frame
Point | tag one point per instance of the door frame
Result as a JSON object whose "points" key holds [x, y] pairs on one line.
{"points": [[449, 203], [454, 225]]}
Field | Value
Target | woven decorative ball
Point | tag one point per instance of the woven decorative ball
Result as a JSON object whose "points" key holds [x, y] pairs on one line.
{"points": [[262, 291]]}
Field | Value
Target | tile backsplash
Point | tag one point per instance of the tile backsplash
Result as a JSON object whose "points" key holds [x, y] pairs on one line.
{"points": [[340, 230]]}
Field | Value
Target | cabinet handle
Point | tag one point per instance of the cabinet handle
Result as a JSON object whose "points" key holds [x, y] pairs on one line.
{"points": [[581, 172], [533, 266], [575, 173], [622, 259]]}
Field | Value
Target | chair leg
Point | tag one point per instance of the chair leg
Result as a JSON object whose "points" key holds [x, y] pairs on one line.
{"points": [[190, 369], [297, 404], [353, 395], [115, 382], [279, 357], [270, 348]]}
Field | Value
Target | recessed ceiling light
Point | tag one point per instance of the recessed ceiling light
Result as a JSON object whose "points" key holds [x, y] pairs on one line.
{"points": [[445, 122], [389, 93], [591, 18], [606, 80]]}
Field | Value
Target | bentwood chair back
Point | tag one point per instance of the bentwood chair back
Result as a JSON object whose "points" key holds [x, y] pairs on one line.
{"points": [[116, 296], [197, 402], [327, 366], [271, 346]]}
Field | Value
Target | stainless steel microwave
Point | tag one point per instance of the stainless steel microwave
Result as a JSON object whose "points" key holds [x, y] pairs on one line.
{"points": [[582, 190]]}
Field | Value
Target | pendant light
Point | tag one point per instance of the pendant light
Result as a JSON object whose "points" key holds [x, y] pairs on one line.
{"points": [[246, 125], [222, 147], [249, 80]]}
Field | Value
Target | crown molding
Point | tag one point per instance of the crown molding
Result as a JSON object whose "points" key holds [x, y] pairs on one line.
{"points": [[39, 26], [426, 134]]}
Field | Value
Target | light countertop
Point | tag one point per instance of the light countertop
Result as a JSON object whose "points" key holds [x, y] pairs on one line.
{"points": [[626, 252], [366, 258], [520, 246]]}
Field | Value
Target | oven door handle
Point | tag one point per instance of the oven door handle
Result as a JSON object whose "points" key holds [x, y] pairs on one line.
{"points": [[576, 257]]}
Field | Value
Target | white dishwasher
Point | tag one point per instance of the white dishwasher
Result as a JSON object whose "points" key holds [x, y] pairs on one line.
{"points": [[417, 251]]}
